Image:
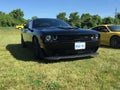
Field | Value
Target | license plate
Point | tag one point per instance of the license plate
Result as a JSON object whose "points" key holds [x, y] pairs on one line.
{"points": [[79, 45]]}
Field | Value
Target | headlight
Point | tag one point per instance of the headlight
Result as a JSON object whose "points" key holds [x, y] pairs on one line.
{"points": [[48, 38], [95, 37]]}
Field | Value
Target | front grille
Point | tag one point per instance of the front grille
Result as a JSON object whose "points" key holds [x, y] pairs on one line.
{"points": [[75, 37]]}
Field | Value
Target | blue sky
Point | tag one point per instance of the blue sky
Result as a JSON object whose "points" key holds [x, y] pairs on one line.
{"points": [[50, 8]]}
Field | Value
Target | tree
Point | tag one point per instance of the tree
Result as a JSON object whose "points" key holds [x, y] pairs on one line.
{"points": [[17, 15], [62, 16], [2, 19], [74, 19], [118, 15], [87, 21], [13, 18], [117, 18], [96, 19], [34, 17], [6, 20], [108, 20], [9, 20]]}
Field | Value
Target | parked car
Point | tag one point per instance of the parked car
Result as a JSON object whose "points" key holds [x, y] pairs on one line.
{"points": [[55, 39], [19, 26], [110, 35]]}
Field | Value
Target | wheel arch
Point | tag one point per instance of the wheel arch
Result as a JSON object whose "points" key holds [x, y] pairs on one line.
{"points": [[40, 42], [113, 37], [39, 45], [22, 37], [34, 37], [118, 40]]}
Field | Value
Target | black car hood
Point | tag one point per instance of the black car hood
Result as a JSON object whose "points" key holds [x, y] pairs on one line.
{"points": [[65, 30]]}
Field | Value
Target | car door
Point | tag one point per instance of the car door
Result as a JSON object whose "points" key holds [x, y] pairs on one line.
{"points": [[104, 35]]}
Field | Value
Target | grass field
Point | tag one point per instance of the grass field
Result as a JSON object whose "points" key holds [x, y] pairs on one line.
{"points": [[19, 70]]}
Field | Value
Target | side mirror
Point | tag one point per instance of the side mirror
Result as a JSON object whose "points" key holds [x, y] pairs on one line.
{"points": [[25, 26]]}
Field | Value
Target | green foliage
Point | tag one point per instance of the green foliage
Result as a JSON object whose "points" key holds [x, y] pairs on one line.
{"points": [[62, 16], [117, 18], [74, 19], [53, 86], [17, 14], [108, 20], [34, 17], [7, 28], [87, 20], [118, 15], [97, 20], [15, 17]]}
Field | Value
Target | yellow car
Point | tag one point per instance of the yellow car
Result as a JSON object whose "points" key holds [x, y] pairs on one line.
{"points": [[19, 26], [110, 35]]}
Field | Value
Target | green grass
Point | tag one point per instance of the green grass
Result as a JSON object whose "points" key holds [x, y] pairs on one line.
{"points": [[7, 28], [19, 70]]}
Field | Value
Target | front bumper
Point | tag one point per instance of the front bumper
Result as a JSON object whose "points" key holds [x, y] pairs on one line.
{"points": [[71, 56], [68, 48]]}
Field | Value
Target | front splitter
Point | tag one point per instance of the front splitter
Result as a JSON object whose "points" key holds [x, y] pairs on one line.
{"points": [[71, 56]]}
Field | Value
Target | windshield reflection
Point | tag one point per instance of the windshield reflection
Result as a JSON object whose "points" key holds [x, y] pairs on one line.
{"points": [[114, 28]]}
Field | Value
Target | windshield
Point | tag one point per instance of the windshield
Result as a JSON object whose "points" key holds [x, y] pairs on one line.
{"points": [[49, 23], [114, 28]]}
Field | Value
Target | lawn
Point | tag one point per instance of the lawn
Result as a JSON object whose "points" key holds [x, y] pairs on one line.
{"points": [[19, 70]]}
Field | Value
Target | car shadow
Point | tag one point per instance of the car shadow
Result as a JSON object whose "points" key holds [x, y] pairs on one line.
{"points": [[20, 53], [103, 46], [68, 60], [26, 54]]}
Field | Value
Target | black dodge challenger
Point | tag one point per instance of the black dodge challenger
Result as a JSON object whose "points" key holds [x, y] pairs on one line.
{"points": [[55, 39]]}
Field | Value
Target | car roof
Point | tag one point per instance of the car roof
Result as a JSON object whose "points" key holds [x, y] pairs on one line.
{"points": [[109, 25], [47, 18], [106, 25]]}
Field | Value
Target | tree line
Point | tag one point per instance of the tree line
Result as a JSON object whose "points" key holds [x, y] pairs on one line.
{"points": [[86, 20], [13, 18]]}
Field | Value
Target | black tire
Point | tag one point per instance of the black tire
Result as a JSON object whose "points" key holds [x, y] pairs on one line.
{"points": [[115, 42], [22, 42], [38, 53]]}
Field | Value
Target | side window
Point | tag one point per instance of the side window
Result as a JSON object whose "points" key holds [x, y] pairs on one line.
{"points": [[36, 23], [30, 25], [96, 29], [102, 29]]}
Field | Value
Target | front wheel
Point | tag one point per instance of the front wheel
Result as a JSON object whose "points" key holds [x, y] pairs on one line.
{"points": [[115, 42], [37, 50]]}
